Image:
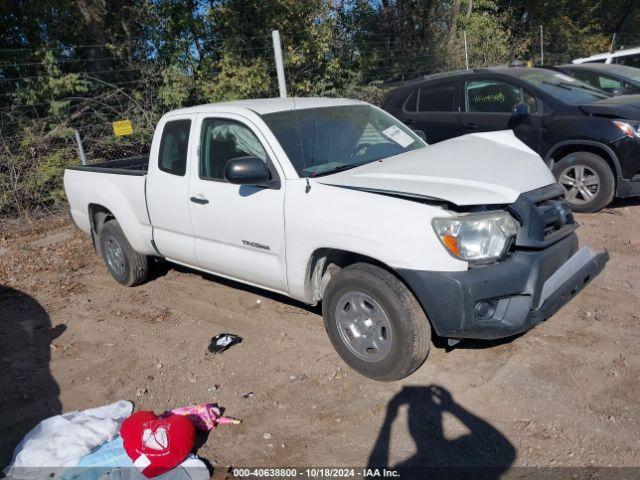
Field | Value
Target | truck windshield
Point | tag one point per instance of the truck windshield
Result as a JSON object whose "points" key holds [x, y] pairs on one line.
{"points": [[321, 141], [561, 86]]}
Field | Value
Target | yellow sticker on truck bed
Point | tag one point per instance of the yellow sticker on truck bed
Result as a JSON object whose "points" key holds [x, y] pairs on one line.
{"points": [[122, 128]]}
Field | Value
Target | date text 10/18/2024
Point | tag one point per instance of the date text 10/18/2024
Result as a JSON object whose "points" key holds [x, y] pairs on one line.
{"points": [[315, 473]]}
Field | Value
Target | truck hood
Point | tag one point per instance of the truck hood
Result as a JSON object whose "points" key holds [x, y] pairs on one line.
{"points": [[476, 169], [622, 106]]}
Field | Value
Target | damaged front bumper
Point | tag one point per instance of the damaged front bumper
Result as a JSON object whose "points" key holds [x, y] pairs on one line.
{"points": [[509, 297]]}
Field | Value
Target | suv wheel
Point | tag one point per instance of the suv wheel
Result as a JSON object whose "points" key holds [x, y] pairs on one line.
{"points": [[587, 180], [126, 265], [375, 323]]}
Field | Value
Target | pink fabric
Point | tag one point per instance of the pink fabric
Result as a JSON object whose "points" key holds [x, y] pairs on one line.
{"points": [[204, 416]]}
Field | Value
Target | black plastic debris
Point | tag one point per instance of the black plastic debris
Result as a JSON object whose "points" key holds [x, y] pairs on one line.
{"points": [[223, 341]]}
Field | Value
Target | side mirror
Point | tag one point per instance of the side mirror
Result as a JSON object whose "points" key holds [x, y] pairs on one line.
{"points": [[421, 134], [619, 91], [520, 110], [246, 171]]}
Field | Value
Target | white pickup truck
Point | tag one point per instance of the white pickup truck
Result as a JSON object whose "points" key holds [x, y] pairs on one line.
{"points": [[335, 201]]}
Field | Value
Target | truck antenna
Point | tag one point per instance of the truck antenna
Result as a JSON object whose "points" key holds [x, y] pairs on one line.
{"points": [[308, 187]]}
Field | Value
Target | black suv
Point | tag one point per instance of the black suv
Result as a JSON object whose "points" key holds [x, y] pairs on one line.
{"points": [[589, 139]]}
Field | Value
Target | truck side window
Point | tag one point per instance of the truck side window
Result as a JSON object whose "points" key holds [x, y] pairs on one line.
{"points": [[173, 147], [496, 96], [224, 140], [439, 98]]}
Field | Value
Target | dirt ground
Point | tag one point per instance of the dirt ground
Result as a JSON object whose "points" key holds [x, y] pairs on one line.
{"points": [[565, 394]]}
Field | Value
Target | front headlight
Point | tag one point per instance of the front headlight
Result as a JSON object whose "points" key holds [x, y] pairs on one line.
{"points": [[630, 129], [476, 237]]}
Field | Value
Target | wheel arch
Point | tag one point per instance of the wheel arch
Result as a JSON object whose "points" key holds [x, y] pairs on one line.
{"points": [[98, 216], [111, 203], [324, 263], [564, 148]]}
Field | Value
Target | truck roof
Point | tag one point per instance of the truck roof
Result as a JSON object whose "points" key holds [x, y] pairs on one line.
{"points": [[263, 106]]}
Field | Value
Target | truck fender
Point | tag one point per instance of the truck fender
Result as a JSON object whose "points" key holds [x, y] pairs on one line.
{"points": [[137, 232]]}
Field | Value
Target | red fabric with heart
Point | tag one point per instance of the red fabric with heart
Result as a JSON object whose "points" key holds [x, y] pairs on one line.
{"points": [[156, 445]]}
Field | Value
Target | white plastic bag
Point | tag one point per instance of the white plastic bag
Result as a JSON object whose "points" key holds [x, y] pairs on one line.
{"points": [[61, 441]]}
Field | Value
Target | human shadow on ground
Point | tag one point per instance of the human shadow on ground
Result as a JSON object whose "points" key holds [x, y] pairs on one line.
{"points": [[482, 453], [28, 391]]}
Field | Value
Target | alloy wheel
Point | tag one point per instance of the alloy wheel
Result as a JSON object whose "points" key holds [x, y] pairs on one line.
{"points": [[581, 184]]}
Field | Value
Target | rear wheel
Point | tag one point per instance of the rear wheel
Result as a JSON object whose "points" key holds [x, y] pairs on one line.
{"points": [[126, 265], [375, 323], [587, 180]]}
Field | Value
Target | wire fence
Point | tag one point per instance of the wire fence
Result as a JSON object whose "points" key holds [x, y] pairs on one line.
{"points": [[37, 133]]}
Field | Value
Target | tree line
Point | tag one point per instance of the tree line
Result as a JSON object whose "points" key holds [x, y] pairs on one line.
{"points": [[81, 64]]}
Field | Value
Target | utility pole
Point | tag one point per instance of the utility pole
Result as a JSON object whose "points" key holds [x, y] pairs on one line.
{"points": [[541, 46], [277, 51], [613, 43], [466, 53], [83, 157]]}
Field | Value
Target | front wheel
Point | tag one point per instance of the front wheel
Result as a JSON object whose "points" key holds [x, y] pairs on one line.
{"points": [[587, 180], [375, 323]]}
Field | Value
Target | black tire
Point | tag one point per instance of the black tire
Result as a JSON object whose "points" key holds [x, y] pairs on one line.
{"points": [[591, 162], [130, 268], [410, 336]]}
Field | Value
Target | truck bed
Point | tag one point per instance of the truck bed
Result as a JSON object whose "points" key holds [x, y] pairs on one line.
{"points": [[122, 166], [117, 186]]}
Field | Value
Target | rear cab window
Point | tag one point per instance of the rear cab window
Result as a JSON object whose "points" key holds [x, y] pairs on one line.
{"points": [[172, 157]]}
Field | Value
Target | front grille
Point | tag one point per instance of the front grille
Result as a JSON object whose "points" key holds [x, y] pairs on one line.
{"points": [[545, 217]]}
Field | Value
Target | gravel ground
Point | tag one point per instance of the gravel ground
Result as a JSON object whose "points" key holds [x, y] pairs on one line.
{"points": [[565, 394]]}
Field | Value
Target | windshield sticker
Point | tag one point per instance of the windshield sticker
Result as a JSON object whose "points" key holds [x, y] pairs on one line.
{"points": [[398, 136]]}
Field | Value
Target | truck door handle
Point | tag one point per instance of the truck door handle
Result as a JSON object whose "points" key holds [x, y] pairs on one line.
{"points": [[199, 200], [472, 126]]}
